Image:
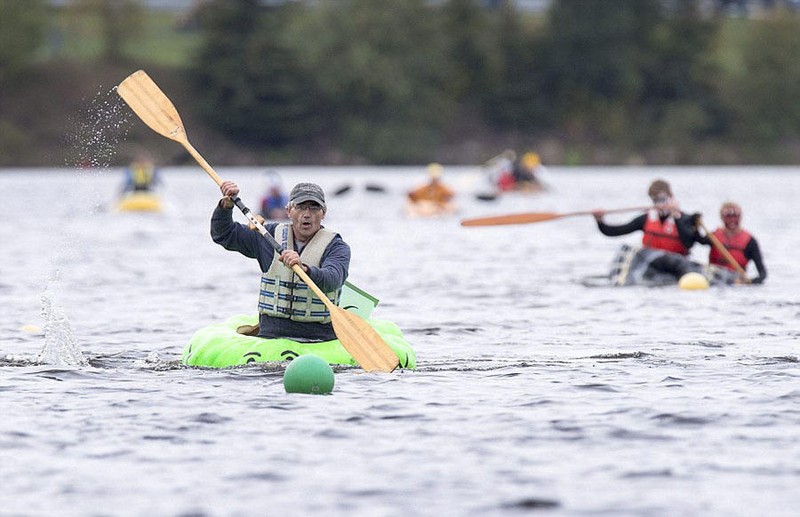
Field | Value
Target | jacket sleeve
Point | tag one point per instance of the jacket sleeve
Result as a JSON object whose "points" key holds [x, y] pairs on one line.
{"points": [[753, 252], [238, 237], [687, 231], [612, 230]]}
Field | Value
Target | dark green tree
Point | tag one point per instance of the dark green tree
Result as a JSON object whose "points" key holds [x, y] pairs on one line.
{"points": [[22, 33], [119, 22], [249, 82], [383, 69], [630, 72], [472, 48], [677, 99], [762, 94], [519, 94]]}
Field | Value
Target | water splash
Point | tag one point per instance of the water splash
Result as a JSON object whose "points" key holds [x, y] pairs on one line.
{"points": [[94, 140], [98, 132], [60, 346]]}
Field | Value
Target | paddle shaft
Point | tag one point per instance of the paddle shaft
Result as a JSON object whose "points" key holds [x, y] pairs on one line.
{"points": [[724, 251], [536, 217], [610, 211]]}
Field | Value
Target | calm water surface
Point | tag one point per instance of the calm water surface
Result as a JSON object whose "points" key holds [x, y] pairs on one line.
{"points": [[534, 394]]}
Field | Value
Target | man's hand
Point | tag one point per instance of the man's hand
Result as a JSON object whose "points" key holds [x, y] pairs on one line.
{"points": [[292, 258], [259, 219]]}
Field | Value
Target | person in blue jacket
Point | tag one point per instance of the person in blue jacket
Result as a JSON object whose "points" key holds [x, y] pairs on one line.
{"points": [[141, 175], [286, 305]]}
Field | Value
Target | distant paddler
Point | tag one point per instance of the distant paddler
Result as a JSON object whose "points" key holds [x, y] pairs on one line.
{"points": [[739, 243], [664, 226], [274, 201], [138, 192], [141, 175], [526, 173], [433, 198]]}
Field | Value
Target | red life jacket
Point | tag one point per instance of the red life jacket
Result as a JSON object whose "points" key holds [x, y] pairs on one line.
{"points": [[735, 245], [506, 181], [662, 235]]}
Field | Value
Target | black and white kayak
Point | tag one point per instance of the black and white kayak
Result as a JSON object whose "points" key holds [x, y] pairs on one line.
{"points": [[634, 265]]}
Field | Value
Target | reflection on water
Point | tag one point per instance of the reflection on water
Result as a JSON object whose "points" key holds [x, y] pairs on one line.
{"points": [[533, 392]]}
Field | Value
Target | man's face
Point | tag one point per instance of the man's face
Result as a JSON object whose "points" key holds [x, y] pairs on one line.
{"points": [[306, 219], [661, 201], [731, 218]]}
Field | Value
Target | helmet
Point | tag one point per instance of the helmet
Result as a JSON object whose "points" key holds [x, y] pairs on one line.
{"points": [[435, 170], [530, 160]]}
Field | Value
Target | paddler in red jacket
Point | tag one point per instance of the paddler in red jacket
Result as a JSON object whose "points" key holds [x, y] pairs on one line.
{"points": [[664, 227], [742, 246]]}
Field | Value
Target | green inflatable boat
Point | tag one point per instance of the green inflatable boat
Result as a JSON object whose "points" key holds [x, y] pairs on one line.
{"points": [[220, 346]]}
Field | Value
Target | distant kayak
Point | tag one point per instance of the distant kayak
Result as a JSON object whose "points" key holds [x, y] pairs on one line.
{"points": [[430, 208], [139, 201], [632, 266]]}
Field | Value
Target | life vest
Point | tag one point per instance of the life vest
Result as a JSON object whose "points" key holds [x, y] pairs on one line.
{"points": [[141, 175], [662, 235], [506, 181], [433, 192], [735, 244], [282, 294]]}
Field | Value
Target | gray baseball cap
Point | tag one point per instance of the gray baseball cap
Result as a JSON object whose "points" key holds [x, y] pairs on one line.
{"points": [[303, 192]]}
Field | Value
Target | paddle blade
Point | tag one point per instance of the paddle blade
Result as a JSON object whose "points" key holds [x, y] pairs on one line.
{"points": [[530, 217], [151, 105], [363, 342]]}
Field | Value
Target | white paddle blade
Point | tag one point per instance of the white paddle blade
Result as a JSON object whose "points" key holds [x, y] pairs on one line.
{"points": [[151, 105]]}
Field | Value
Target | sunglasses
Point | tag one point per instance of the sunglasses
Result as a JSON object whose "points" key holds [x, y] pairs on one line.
{"points": [[308, 207], [731, 213]]}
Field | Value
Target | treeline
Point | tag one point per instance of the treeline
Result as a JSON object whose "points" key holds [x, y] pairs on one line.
{"points": [[370, 81]]}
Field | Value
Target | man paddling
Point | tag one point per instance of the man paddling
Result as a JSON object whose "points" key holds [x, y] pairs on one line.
{"points": [[741, 245], [287, 307], [665, 228], [434, 191]]}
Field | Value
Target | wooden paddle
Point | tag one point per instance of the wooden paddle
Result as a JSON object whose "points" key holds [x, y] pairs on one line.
{"points": [[536, 217], [724, 251], [356, 335]]}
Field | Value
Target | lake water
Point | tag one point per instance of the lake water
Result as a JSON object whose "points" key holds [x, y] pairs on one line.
{"points": [[534, 394]]}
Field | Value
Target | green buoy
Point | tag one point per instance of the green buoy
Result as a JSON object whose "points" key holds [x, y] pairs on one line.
{"points": [[308, 374]]}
